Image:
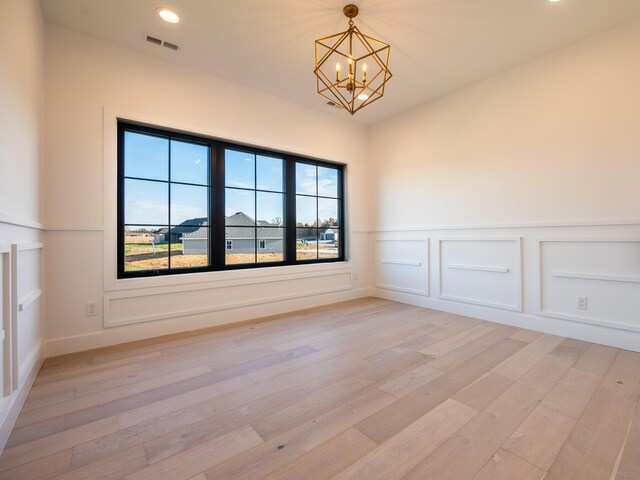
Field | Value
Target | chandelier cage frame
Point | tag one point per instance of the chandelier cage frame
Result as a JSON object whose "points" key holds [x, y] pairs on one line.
{"points": [[349, 92]]}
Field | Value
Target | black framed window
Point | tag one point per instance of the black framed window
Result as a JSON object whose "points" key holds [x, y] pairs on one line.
{"points": [[188, 203]]}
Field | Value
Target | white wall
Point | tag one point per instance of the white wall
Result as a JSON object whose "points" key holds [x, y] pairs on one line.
{"points": [[491, 174], [89, 83], [21, 280]]}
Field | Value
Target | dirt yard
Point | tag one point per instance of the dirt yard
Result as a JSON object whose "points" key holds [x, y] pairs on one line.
{"points": [[140, 256]]}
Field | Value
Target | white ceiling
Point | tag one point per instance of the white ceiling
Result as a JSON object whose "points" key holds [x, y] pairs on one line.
{"points": [[437, 46]]}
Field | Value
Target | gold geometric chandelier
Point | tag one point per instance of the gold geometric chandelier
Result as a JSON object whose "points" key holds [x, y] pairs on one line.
{"points": [[351, 68]]}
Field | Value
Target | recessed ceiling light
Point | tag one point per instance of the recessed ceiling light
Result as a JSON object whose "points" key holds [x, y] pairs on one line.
{"points": [[167, 15], [554, 1], [363, 97]]}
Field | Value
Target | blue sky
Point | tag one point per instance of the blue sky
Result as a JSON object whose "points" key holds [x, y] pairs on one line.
{"points": [[146, 202]]}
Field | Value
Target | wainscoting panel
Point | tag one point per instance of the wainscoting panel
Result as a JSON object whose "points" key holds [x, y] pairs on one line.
{"points": [[402, 264], [123, 308], [481, 271], [5, 318], [605, 271]]}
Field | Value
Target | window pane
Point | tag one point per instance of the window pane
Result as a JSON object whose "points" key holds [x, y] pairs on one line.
{"points": [[146, 203], [329, 243], [328, 212], [306, 243], [270, 173], [146, 156], [270, 208], [239, 169], [191, 249], [189, 163], [240, 206], [270, 244], [306, 211], [189, 204], [240, 245], [306, 179], [327, 182], [145, 248]]}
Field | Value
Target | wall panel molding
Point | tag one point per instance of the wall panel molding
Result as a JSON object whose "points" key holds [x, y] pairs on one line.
{"points": [[610, 291], [483, 274], [342, 281], [398, 268]]}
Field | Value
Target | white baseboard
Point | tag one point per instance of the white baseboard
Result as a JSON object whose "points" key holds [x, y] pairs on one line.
{"points": [[590, 333], [12, 405], [141, 331]]}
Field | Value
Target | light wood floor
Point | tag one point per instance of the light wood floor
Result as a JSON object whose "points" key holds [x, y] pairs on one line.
{"points": [[367, 389]]}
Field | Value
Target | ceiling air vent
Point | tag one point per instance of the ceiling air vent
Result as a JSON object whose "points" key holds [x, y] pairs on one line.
{"points": [[154, 40], [160, 42], [333, 104]]}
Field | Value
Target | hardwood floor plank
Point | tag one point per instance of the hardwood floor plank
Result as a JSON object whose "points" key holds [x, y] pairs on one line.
{"points": [[391, 420], [483, 391], [462, 456], [180, 402], [52, 424], [275, 453], [629, 467], [203, 457], [28, 452], [572, 393], [596, 359], [526, 336], [540, 437], [451, 343], [53, 464], [213, 417], [43, 414], [326, 460], [404, 384], [505, 465], [114, 467], [411, 445], [593, 447], [528, 356], [215, 363]]}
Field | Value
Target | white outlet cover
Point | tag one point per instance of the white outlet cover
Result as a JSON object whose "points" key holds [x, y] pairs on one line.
{"points": [[91, 309], [581, 302]]}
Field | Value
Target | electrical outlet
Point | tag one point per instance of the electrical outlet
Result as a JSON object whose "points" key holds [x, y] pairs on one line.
{"points": [[91, 309], [355, 277], [581, 302]]}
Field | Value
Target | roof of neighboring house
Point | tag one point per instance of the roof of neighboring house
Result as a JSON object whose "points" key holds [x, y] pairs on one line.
{"points": [[188, 226], [240, 226], [201, 233]]}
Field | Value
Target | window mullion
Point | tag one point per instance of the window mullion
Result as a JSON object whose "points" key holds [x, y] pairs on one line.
{"points": [[218, 220], [290, 210]]}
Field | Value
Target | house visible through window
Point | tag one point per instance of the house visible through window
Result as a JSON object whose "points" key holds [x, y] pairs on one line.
{"points": [[180, 196]]}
